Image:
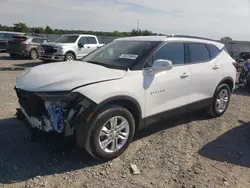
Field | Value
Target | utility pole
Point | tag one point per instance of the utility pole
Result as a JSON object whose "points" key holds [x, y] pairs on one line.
{"points": [[138, 23]]}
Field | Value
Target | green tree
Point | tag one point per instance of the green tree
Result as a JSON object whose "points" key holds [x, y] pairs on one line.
{"points": [[48, 30], [20, 27]]}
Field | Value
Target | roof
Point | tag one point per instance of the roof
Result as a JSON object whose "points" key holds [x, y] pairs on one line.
{"points": [[183, 38], [79, 35], [144, 38], [12, 32]]}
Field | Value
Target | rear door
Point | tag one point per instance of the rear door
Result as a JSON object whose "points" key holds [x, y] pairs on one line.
{"points": [[92, 44], [206, 71]]}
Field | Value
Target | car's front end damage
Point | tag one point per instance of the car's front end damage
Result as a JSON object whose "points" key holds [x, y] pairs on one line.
{"points": [[53, 111]]}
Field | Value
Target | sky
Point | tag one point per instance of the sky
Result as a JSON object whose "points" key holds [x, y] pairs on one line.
{"points": [[205, 18]]}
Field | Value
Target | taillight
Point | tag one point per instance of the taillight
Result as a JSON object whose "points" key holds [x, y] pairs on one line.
{"points": [[235, 64], [25, 42]]}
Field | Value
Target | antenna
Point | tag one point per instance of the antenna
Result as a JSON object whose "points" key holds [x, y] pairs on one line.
{"points": [[138, 23]]}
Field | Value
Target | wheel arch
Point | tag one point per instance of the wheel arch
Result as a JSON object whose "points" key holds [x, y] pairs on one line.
{"points": [[229, 81], [127, 102], [71, 51]]}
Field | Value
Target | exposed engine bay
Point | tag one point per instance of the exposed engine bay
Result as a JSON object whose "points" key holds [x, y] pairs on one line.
{"points": [[54, 111]]}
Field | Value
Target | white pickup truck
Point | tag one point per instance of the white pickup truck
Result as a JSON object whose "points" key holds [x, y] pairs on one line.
{"points": [[69, 48]]}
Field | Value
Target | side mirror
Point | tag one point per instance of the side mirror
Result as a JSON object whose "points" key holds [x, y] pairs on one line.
{"points": [[162, 65], [80, 45]]}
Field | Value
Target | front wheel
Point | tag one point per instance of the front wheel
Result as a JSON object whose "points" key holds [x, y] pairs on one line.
{"points": [[220, 101], [111, 132], [69, 57]]}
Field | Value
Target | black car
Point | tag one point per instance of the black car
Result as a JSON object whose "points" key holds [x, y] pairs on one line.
{"points": [[26, 46], [5, 36]]}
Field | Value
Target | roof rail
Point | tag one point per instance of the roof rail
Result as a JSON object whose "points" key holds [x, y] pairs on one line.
{"points": [[188, 36]]}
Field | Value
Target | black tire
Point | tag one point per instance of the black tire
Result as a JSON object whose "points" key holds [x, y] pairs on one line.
{"points": [[69, 57], [91, 143], [33, 54], [211, 110]]}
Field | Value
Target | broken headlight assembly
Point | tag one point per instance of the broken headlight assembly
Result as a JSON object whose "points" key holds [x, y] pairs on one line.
{"points": [[64, 108]]}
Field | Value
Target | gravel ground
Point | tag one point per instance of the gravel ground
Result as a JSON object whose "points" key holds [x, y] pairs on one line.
{"points": [[189, 152]]}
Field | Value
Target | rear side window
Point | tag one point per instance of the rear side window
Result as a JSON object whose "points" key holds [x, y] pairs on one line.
{"points": [[198, 53], [214, 51], [171, 51], [36, 40], [91, 40]]}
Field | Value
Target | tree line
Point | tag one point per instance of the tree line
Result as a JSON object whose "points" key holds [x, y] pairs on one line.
{"points": [[22, 27]]}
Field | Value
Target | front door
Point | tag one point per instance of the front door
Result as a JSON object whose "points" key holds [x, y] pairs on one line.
{"points": [[84, 50], [167, 92]]}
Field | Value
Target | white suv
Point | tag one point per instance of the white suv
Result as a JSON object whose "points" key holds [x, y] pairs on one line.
{"points": [[124, 86]]}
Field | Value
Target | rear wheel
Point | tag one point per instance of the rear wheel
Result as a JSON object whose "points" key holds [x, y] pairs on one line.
{"points": [[33, 54], [110, 133], [69, 57], [220, 101]]}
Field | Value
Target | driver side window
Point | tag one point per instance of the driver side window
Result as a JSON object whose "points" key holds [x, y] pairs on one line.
{"points": [[83, 40], [173, 51]]}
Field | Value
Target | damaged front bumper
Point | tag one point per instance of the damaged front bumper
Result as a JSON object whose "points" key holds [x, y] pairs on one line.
{"points": [[54, 111]]}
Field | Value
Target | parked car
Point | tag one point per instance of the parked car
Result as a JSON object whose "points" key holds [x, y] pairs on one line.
{"points": [[125, 86], [26, 46], [5, 36], [69, 48]]}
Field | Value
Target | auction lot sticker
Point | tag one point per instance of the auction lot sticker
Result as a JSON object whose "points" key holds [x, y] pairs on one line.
{"points": [[128, 56]]}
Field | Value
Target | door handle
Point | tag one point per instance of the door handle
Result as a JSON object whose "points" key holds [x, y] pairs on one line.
{"points": [[216, 67], [88, 47], [184, 75]]}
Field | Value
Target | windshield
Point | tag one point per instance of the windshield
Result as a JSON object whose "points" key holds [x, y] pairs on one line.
{"points": [[67, 39], [120, 54], [5, 35]]}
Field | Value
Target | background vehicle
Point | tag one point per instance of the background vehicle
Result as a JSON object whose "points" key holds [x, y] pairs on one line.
{"points": [[27, 46], [124, 86], [69, 48], [5, 36], [244, 77]]}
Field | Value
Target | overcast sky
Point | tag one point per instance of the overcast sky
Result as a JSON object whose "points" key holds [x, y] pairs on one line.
{"points": [[208, 18]]}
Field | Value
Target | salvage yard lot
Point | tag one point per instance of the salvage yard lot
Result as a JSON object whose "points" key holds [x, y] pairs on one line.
{"points": [[192, 151]]}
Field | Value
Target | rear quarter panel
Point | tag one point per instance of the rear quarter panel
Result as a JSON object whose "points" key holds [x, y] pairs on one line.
{"points": [[228, 69]]}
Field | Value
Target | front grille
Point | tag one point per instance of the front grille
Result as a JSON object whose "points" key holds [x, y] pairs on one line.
{"points": [[31, 103], [49, 50]]}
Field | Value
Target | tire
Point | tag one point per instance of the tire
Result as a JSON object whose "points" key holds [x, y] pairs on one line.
{"points": [[33, 54], [69, 57], [213, 110], [92, 142]]}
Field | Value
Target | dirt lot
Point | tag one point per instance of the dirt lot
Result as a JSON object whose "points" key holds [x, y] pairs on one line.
{"points": [[190, 152]]}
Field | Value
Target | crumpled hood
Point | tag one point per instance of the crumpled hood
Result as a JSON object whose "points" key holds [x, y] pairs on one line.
{"points": [[64, 76]]}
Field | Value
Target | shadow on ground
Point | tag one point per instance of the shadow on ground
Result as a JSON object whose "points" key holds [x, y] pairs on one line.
{"points": [[21, 159], [241, 90], [231, 147], [28, 65]]}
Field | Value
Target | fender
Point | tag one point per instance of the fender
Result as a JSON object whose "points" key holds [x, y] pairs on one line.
{"points": [[125, 98]]}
